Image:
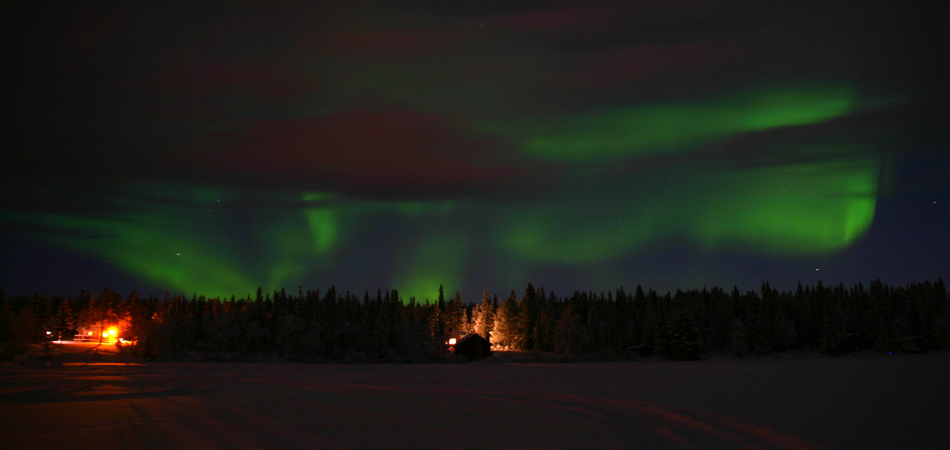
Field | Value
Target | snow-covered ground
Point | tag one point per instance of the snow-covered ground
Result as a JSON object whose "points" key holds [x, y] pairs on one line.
{"points": [[894, 402]]}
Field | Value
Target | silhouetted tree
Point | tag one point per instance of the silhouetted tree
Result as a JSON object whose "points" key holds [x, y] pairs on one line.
{"points": [[455, 315], [570, 335], [65, 322], [681, 339]]}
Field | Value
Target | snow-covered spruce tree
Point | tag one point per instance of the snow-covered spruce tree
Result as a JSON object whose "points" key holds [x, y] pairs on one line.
{"points": [[505, 323], [834, 335], [681, 339], [455, 314], [738, 343], [483, 317], [570, 335]]}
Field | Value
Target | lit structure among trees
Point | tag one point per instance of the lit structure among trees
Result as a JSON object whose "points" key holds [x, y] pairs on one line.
{"points": [[473, 347], [605, 325]]}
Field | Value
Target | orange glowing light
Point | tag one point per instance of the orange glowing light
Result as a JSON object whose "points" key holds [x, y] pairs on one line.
{"points": [[90, 333], [111, 331], [451, 341]]}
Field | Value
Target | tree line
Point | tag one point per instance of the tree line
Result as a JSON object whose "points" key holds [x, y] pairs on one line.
{"points": [[331, 326]]}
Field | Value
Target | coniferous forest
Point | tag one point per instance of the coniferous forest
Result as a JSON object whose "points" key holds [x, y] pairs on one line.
{"points": [[332, 326]]}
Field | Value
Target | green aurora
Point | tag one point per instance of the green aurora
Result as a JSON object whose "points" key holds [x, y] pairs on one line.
{"points": [[673, 128], [796, 208]]}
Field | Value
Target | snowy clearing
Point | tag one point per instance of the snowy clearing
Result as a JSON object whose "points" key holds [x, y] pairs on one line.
{"points": [[791, 403]]}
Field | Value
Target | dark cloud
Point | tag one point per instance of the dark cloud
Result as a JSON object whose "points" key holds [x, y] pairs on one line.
{"points": [[361, 151]]}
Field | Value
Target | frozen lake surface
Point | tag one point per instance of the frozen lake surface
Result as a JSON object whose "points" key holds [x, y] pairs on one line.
{"points": [[794, 403]]}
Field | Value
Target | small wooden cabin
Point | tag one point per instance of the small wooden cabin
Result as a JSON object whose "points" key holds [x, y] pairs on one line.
{"points": [[87, 334], [473, 347]]}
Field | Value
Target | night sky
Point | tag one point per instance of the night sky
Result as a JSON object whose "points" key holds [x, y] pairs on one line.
{"points": [[476, 144]]}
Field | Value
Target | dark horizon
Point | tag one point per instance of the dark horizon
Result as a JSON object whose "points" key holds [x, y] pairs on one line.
{"points": [[334, 326], [444, 294]]}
